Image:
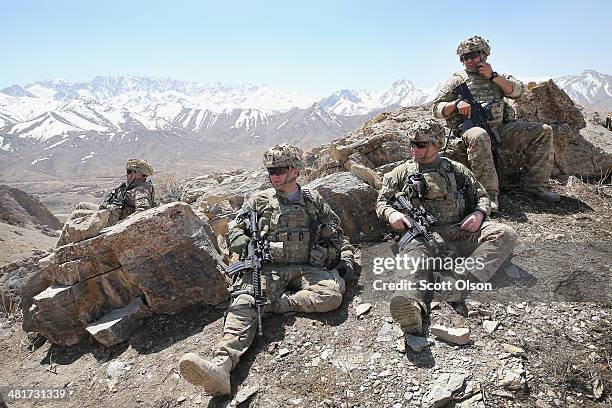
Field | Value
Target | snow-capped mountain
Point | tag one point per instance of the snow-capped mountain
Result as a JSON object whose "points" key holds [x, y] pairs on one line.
{"points": [[349, 102], [45, 124], [590, 88]]}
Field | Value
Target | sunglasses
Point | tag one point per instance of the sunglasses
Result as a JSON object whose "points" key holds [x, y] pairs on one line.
{"points": [[419, 145], [277, 171], [470, 55], [131, 171]]}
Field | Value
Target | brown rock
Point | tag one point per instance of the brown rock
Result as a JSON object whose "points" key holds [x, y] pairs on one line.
{"points": [[166, 255], [354, 202]]}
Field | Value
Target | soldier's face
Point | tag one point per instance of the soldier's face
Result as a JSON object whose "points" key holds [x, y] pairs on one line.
{"points": [[471, 60], [131, 176], [424, 154], [280, 178]]}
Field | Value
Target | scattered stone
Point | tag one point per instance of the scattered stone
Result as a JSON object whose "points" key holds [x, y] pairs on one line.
{"points": [[503, 394], [363, 309], [513, 272], [401, 345], [474, 401], [514, 350], [541, 404], [181, 399], [434, 305], [490, 325], [116, 369], [385, 373], [326, 354], [283, 352], [513, 381], [457, 336], [598, 388], [245, 393], [388, 332], [443, 390], [416, 343]]}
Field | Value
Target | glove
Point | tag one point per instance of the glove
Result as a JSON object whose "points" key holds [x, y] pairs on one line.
{"points": [[239, 243], [345, 269]]}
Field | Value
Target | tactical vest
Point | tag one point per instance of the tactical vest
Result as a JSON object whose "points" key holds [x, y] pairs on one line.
{"points": [[289, 227], [486, 92], [446, 195]]}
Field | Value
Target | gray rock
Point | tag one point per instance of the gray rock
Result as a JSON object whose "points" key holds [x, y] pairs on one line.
{"points": [[353, 201], [116, 369], [245, 393], [362, 309], [117, 326], [417, 343], [443, 390], [490, 325]]}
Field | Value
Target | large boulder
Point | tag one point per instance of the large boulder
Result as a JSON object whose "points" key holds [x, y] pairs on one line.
{"points": [[354, 202], [166, 256], [582, 147]]}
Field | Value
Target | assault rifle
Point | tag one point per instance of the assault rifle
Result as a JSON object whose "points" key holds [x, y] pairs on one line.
{"points": [[258, 252], [480, 116], [117, 197], [420, 220]]}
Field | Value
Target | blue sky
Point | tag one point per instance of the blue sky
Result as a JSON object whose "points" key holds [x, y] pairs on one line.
{"points": [[312, 47]]}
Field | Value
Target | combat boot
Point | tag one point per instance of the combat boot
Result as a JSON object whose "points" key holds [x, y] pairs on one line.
{"points": [[542, 193], [493, 198], [213, 375], [407, 313]]}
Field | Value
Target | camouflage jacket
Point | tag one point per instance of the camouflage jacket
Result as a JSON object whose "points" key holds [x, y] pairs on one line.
{"points": [[452, 191], [483, 91], [122, 202], [302, 231]]}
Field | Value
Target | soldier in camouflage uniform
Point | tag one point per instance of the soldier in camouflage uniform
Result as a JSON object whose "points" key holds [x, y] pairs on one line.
{"points": [[134, 195], [461, 207], [529, 143], [311, 260]]}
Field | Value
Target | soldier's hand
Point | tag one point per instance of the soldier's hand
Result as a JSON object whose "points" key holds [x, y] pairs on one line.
{"points": [[472, 222], [484, 68], [399, 221], [464, 108]]}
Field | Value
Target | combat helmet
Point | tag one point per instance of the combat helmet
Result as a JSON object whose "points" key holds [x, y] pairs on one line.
{"points": [[283, 155], [474, 44], [427, 130], [139, 166]]}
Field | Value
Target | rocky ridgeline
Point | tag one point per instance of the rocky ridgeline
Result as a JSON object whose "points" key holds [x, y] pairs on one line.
{"points": [[174, 255]]}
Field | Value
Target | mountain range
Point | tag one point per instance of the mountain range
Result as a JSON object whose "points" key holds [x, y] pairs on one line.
{"points": [[91, 125]]}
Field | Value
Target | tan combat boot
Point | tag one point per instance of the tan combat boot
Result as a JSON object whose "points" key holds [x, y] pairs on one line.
{"points": [[407, 313], [213, 375], [493, 198], [542, 193]]}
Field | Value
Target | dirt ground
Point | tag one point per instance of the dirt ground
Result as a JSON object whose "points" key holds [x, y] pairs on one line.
{"points": [[551, 300]]}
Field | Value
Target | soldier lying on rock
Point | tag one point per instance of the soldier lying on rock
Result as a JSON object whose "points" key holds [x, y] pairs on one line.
{"points": [[134, 195], [310, 262], [460, 206]]}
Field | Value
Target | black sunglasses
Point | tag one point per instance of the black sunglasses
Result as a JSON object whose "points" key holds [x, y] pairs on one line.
{"points": [[277, 171], [470, 55], [420, 145]]}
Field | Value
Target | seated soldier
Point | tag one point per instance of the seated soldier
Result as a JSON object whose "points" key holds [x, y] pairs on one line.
{"points": [[134, 195], [460, 205], [311, 259]]}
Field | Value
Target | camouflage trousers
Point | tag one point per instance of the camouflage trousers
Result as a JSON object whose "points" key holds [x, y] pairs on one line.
{"points": [[82, 210], [490, 245], [287, 288], [522, 144]]}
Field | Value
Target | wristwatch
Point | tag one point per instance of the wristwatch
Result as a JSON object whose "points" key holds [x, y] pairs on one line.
{"points": [[493, 75]]}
